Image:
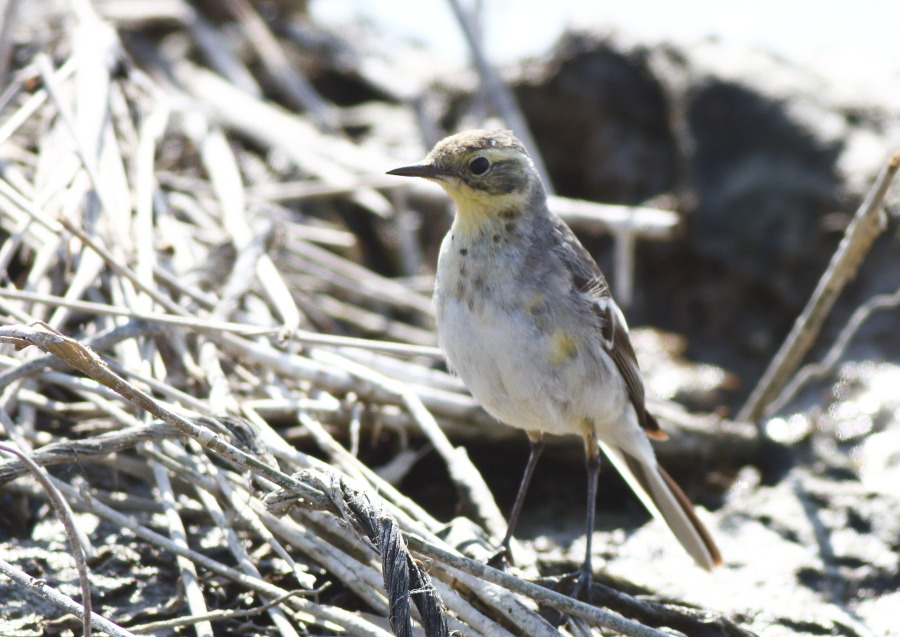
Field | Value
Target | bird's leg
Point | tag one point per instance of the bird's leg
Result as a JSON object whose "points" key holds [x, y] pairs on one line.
{"points": [[537, 446], [592, 462]]}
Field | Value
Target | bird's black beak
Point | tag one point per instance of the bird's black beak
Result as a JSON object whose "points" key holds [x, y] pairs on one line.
{"points": [[421, 170]]}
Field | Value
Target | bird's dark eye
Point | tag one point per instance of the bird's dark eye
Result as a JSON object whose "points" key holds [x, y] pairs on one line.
{"points": [[479, 165]]}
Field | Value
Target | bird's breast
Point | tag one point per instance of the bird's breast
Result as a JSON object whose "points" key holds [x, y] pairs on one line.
{"points": [[519, 348]]}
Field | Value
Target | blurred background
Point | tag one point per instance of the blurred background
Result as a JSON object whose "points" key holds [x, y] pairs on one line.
{"points": [[857, 40]]}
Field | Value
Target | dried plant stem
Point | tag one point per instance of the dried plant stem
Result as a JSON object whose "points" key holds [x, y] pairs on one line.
{"points": [[39, 587], [291, 80], [819, 370], [337, 616], [240, 554], [94, 447], [189, 581], [563, 603], [463, 473], [155, 627], [868, 223], [503, 99], [64, 513], [83, 359]]}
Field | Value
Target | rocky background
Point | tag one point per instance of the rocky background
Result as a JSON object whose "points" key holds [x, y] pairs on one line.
{"points": [[759, 163]]}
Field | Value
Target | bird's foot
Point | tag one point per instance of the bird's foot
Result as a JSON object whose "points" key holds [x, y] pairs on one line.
{"points": [[501, 558], [582, 583]]}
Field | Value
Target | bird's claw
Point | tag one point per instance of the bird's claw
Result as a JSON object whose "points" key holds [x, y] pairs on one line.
{"points": [[501, 559], [582, 579]]}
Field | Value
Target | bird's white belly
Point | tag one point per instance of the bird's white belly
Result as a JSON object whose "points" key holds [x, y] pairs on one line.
{"points": [[504, 360]]}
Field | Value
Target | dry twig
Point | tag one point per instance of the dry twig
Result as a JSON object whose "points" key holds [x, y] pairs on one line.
{"points": [[868, 223]]}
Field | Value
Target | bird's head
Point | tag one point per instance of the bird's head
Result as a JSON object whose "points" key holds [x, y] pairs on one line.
{"points": [[488, 174]]}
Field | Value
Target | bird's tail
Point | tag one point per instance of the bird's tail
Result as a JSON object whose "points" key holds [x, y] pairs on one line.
{"points": [[667, 502]]}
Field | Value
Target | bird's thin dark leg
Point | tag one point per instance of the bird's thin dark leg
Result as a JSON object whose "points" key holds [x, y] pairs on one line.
{"points": [[592, 462], [537, 446]]}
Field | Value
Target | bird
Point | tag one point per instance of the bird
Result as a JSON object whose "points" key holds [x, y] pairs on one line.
{"points": [[526, 319]]}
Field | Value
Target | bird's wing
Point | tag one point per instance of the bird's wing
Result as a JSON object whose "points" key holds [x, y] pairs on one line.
{"points": [[588, 279]]}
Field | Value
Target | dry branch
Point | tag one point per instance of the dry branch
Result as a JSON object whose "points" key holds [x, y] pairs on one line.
{"points": [[868, 222]]}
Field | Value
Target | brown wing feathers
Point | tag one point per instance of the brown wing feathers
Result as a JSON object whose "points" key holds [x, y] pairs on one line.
{"points": [[588, 279]]}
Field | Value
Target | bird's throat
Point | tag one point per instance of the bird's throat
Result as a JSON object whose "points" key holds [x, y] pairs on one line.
{"points": [[479, 215]]}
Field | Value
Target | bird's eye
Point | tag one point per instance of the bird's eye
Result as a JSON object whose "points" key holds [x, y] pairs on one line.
{"points": [[479, 166]]}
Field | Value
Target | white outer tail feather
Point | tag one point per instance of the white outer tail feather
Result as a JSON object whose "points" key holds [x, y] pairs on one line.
{"points": [[664, 505]]}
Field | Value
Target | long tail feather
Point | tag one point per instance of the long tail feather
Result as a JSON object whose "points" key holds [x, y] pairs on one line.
{"points": [[668, 503]]}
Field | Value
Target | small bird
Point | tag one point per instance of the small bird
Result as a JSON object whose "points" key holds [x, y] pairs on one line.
{"points": [[526, 319]]}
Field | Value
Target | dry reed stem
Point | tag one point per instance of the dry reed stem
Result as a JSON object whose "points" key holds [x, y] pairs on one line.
{"points": [[868, 223]]}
